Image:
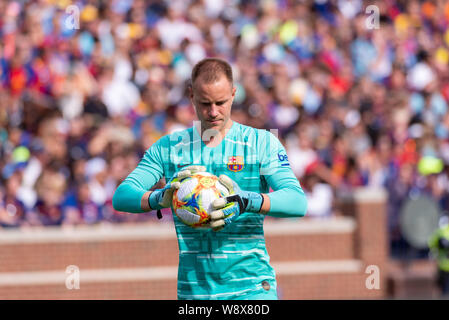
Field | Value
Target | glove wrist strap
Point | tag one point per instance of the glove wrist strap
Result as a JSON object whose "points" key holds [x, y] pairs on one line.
{"points": [[243, 203], [255, 201], [153, 202]]}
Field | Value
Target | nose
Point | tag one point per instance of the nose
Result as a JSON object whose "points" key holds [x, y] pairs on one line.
{"points": [[213, 111]]}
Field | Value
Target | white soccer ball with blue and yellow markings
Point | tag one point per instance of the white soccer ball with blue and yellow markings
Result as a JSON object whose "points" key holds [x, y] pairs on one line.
{"points": [[192, 202]]}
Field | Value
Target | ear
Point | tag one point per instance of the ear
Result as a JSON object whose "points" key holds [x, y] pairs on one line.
{"points": [[190, 91]]}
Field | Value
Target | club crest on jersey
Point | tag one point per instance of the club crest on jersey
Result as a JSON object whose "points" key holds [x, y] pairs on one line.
{"points": [[235, 163]]}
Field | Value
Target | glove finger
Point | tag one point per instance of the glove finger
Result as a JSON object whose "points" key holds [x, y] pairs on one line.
{"points": [[219, 203], [231, 211], [183, 174], [229, 219], [188, 171], [167, 198], [216, 215], [217, 224], [227, 182], [196, 169]]}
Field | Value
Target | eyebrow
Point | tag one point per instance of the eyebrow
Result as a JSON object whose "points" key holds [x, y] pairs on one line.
{"points": [[209, 102]]}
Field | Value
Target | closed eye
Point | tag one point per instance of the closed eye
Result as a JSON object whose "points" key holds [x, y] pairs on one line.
{"points": [[218, 103]]}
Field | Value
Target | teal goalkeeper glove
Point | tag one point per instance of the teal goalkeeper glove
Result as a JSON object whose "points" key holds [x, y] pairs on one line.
{"points": [[163, 198], [227, 209]]}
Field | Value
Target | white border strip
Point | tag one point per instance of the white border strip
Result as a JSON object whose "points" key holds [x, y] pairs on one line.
{"points": [[167, 273], [159, 231], [365, 195], [163, 231], [310, 226], [318, 267], [88, 276]]}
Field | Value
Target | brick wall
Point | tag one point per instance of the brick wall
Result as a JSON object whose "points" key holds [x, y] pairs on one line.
{"points": [[368, 208], [313, 259]]}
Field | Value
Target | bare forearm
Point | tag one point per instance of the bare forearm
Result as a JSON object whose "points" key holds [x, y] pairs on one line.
{"points": [[144, 203], [128, 198], [265, 205]]}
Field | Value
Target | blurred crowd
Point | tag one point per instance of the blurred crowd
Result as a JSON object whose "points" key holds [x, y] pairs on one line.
{"points": [[358, 100]]}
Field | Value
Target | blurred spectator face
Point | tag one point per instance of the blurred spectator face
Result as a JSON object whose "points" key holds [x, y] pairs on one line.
{"points": [[13, 184], [157, 98], [11, 210], [384, 147], [118, 168], [79, 169], [305, 138], [131, 161], [185, 115], [96, 169], [54, 133], [213, 102], [398, 79], [51, 187], [309, 181], [341, 146], [406, 174], [149, 134], [325, 134], [353, 177], [83, 193], [77, 127], [14, 136]]}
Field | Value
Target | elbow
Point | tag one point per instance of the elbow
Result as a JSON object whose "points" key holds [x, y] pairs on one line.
{"points": [[116, 201], [292, 204], [127, 199], [300, 202], [304, 206], [301, 208]]}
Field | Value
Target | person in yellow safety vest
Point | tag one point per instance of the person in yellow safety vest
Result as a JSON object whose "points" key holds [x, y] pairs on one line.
{"points": [[439, 246]]}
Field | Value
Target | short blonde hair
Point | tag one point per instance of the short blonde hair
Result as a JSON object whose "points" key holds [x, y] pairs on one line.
{"points": [[211, 69]]}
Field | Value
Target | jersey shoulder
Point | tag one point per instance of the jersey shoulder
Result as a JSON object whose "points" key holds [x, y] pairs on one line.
{"points": [[251, 132]]}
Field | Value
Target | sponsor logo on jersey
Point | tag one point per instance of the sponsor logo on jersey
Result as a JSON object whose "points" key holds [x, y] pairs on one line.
{"points": [[235, 163], [283, 159], [183, 165]]}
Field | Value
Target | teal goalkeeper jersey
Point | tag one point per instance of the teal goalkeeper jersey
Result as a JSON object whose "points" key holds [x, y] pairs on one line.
{"points": [[232, 263]]}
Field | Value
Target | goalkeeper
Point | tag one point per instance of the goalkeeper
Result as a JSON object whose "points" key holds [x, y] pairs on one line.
{"points": [[230, 260]]}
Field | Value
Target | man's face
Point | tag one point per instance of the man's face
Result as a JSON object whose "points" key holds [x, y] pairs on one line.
{"points": [[213, 102]]}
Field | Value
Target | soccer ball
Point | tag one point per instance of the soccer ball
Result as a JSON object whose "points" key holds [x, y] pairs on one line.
{"points": [[192, 202]]}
